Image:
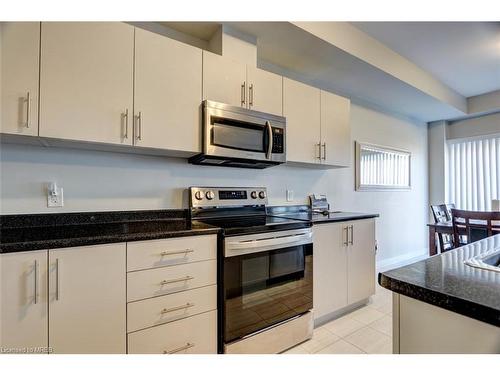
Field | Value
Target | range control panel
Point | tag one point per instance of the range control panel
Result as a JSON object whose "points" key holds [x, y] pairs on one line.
{"points": [[225, 197]]}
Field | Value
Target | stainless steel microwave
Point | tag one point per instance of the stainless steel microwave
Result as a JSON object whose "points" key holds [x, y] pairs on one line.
{"points": [[240, 137]]}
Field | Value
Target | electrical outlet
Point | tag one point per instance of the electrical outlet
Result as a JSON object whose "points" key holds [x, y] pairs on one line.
{"points": [[55, 197], [289, 195]]}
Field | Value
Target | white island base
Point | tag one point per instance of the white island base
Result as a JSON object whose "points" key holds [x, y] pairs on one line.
{"points": [[421, 328]]}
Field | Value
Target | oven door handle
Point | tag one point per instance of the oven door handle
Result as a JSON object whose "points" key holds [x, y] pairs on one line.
{"points": [[275, 241]]}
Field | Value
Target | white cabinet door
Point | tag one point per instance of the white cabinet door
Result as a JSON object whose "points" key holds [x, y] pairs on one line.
{"points": [[335, 130], [168, 77], [87, 299], [224, 80], [265, 91], [23, 300], [301, 107], [330, 268], [361, 260], [19, 53], [86, 81]]}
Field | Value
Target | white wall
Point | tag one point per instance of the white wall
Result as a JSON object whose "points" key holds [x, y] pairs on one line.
{"points": [[94, 181], [436, 146]]}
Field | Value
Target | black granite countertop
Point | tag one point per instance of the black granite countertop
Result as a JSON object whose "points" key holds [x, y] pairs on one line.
{"points": [[49, 231], [304, 213], [445, 281]]}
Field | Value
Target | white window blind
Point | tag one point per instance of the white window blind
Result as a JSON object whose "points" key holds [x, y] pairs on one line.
{"points": [[381, 167], [473, 173]]}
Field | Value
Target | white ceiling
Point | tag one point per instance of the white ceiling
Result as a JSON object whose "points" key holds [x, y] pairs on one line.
{"points": [[463, 55]]}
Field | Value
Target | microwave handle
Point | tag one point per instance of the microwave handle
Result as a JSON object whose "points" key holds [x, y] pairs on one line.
{"points": [[270, 136]]}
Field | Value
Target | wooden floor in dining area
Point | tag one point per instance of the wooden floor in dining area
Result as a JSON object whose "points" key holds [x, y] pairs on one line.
{"points": [[367, 330]]}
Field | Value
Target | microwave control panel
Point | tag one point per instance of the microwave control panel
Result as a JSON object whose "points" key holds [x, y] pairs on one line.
{"points": [[278, 141]]}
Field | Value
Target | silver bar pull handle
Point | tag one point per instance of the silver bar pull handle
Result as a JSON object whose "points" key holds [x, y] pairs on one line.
{"points": [[186, 251], [250, 95], [57, 279], [28, 109], [125, 122], [177, 308], [35, 274], [243, 93], [346, 231], [179, 280], [270, 136], [352, 234], [139, 126], [324, 150], [319, 151], [185, 347]]}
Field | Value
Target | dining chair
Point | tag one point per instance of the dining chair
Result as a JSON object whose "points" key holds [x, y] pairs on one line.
{"points": [[439, 212], [475, 225], [449, 207]]}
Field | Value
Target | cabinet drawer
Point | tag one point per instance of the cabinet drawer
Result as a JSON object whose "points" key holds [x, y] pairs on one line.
{"points": [[193, 335], [154, 311], [167, 280], [166, 252]]}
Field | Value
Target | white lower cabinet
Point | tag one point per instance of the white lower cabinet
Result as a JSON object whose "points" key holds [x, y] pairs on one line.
{"points": [[70, 300], [87, 299], [172, 298], [361, 260], [329, 269], [194, 335], [23, 300], [344, 265]]}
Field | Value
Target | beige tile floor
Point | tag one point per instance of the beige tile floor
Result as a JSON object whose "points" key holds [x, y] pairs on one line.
{"points": [[367, 330]]}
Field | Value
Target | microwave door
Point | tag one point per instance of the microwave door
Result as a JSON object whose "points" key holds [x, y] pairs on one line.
{"points": [[239, 139]]}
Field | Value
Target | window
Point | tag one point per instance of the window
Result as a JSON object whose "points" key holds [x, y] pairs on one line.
{"points": [[473, 172], [380, 168]]}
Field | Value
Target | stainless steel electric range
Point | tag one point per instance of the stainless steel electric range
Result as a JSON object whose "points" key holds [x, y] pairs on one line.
{"points": [[265, 271]]}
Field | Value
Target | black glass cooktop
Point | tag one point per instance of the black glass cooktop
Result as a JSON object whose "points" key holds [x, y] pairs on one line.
{"points": [[236, 225]]}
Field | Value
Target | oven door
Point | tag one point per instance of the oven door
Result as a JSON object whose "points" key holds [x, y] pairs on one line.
{"points": [[239, 133], [268, 279]]}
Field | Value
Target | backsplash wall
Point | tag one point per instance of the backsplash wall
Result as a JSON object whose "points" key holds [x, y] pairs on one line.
{"points": [[100, 181]]}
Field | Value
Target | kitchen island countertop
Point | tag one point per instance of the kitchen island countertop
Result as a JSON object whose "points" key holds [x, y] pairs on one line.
{"points": [[445, 281]]}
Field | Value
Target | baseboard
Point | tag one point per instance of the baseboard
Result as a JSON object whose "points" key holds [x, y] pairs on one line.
{"points": [[401, 260], [338, 313]]}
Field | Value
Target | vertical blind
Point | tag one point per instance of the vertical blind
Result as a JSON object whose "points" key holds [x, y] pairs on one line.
{"points": [[388, 168], [473, 173]]}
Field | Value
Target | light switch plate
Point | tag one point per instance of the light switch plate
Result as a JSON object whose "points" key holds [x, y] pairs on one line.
{"points": [[289, 195], [56, 200]]}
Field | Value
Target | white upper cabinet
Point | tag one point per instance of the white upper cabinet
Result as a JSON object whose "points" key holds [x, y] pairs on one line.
{"points": [[224, 80], [19, 55], [265, 91], [301, 107], [168, 93], [23, 300], [87, 299], [335, 130], [86, 81]]}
